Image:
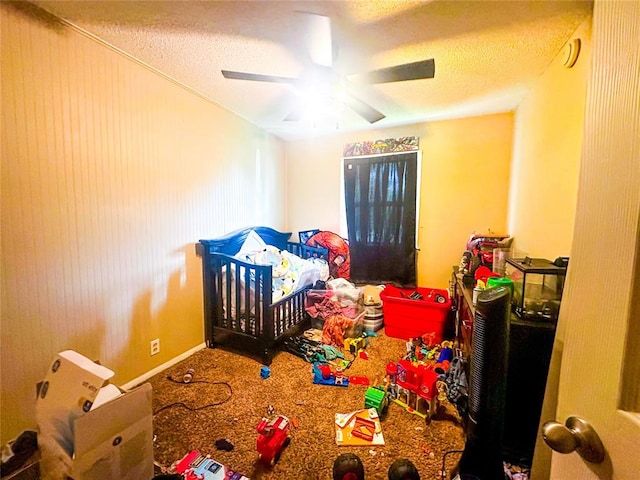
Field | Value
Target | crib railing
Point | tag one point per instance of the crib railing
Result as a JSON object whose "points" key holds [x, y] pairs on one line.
{"points": [[237, 301]]}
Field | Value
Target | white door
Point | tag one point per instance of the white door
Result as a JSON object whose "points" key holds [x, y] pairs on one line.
{"points": [[599, 327]]}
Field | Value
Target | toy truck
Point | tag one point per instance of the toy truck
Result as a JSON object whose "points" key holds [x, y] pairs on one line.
{"points": [[273, 437]]}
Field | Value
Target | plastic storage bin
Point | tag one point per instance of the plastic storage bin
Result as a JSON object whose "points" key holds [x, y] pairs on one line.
{"points": [[413, 312]]}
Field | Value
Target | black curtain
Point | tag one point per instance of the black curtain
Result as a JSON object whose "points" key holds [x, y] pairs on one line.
{"points": [[380, 198]]}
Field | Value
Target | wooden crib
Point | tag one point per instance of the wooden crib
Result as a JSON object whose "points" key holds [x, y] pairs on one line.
{"points": [[239, 313]]}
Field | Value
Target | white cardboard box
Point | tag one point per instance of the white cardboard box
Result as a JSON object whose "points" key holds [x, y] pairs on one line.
{"points": [[88, 428]]}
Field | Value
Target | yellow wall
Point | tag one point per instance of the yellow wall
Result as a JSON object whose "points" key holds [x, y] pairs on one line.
{"points": [[464, 185], [546, 159], [544, 185], [110, 173]]}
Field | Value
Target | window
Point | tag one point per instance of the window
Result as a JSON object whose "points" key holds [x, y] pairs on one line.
{"points": [[380, 203]]}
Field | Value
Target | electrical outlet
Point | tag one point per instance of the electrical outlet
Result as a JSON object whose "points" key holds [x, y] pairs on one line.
{"points": [[155, 346]]}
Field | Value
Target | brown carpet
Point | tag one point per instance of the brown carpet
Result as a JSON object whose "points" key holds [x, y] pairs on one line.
{"points": [[193, 416]]}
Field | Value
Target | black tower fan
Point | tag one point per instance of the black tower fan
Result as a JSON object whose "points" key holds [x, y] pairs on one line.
{"points": [[482, 455]]}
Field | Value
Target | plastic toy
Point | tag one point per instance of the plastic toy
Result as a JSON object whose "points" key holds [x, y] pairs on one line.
{"points": [[376, 397], [195, 466], [322, 375], [481, 248], [353, 345], [273, 438], [417, 382], [364, 428], [359, 380], [413, 387]]}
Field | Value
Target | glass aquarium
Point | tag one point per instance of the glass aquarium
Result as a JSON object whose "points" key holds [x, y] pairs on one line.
{"points": [[537, 286]]}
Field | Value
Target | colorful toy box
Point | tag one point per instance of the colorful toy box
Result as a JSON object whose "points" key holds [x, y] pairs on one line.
{"points": [[413, 312]]}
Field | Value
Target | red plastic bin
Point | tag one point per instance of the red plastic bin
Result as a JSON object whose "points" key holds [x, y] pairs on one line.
{"points": [[407, 318]]}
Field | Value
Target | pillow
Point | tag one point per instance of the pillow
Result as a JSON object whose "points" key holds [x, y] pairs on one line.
{"points": [[252, 244]]}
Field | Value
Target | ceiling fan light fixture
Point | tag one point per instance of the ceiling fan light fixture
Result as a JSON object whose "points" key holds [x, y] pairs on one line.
{"points": [[319, 107]]}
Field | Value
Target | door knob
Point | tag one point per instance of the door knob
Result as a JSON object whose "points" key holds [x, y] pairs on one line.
{"points": [[575, 435]]}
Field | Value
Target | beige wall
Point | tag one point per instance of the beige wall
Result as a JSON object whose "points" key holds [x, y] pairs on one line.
{"points": [[110, 173], [464, 185], [544, 185], [546, 158]]}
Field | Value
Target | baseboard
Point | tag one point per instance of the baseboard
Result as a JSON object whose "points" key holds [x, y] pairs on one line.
{"points": [[146, 376]]}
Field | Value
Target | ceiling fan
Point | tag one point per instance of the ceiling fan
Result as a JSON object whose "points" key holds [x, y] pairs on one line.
{"points": [[323, 80]]}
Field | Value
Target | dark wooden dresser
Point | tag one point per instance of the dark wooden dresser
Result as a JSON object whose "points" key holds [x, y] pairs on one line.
{"points": [[530, 347]]}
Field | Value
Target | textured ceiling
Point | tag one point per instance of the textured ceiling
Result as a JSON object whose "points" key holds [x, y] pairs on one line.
{"points": [[486, 53]]}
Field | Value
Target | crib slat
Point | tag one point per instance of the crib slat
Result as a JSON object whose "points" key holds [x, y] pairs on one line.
{"points": [[267, 312]]}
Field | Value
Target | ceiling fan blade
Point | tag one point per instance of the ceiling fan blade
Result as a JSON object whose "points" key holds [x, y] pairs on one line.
{"points": [[399, 73], [258, 77], [363, 109], [319, 39]]}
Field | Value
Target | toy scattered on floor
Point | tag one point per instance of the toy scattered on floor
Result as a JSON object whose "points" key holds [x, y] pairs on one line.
{"points": [[377, 397], [413, 386], [364, 428], [265, 372], [195, 466], [359, 380], [455, 385], [414, 381], [361, 427], [273, 437], [323, 375], [311, 350], [354, 345], [424, 348], [224, 444], [348, 466]]}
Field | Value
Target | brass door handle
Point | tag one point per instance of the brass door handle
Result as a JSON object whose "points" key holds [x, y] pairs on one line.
{"points": [[575, 435]]}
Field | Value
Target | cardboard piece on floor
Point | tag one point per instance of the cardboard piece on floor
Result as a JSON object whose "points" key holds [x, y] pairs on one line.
{"points": [[90, 429], [345, 423]]}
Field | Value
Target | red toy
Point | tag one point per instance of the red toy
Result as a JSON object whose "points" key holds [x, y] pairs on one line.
{"points": [[481, 247], [273, 438], [195, 466], [414, 387], [339, 258]]}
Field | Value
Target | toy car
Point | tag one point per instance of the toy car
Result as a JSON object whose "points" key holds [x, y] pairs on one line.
{"points": [[273, 438]]}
